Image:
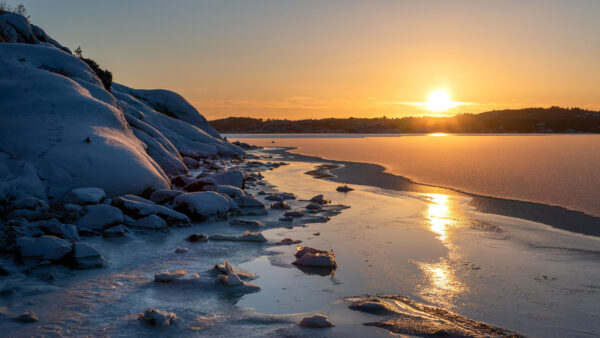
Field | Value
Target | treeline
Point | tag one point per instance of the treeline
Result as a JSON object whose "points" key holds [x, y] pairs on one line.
{"points": [[527, 120]]}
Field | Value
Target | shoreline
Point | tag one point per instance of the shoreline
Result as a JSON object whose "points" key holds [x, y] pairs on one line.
{"points": [[375, 175]]}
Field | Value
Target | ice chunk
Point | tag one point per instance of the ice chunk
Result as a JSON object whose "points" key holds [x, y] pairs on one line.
{"points": [[245, 237], [316, 321], [157, 317]]}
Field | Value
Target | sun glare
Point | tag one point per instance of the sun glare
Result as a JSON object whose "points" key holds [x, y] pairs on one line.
{"points": [[439, 100]]}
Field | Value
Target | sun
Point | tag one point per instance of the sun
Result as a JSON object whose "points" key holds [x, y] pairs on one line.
{"points": [[439, 100]]}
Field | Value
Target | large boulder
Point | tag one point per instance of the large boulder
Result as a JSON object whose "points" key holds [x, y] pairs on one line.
{"points": [[233, 178], [200, 205], [86, 256], [151, 222]]}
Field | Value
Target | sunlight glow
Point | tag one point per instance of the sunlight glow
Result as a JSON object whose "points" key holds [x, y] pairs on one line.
{"points": [[437, 134], [439, 100], [438, 215]]}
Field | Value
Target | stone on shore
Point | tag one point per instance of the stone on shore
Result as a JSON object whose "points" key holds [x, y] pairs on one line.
{"points": [[315, 321], [246, 222], [26, 318], [306, 256], [151, 222], [100, 216], [280, 205], [248, 202], [163, 196], [117, 231], [193, 238], [157, 317], [344, 188], [44, 247], [86, 256], [201, 205]]}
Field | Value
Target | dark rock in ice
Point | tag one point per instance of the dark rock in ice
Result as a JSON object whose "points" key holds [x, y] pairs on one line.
{"points": [[248, 202], [246, 222], [288, 241], [320, 200], [158, 318], [193, 238], [245, 237], [344, 188], [280, 205], [181, 250], [26, 318], [294, 213], [85, 196], [314, 206], [262, 192], [315, 321]]}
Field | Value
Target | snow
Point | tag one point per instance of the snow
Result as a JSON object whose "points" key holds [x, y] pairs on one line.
{"points": [[99, 217], [85, 196], [316, 321]]}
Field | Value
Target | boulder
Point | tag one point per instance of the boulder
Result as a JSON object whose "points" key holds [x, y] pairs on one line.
{"points": [[54, 227], [201, 205], [280, 205], [314, 206], [315, 321], [117, 231], [163, 196], [190, 162], [151, 222], [230, 177], [315, 258], [86, 256], [44, 247], [100, 216], [228, 190], [248, 202], [29, 203], [157, 318], [85, 196], [26, 317]]}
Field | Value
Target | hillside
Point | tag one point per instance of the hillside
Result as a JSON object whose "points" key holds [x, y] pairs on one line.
{"points": [[528, 120]]}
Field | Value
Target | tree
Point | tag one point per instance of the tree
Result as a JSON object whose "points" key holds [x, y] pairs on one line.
{"points": [[78, 52], [21, 10]]}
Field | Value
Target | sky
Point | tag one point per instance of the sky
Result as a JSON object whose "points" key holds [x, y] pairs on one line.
{"points": [[317, 59]]}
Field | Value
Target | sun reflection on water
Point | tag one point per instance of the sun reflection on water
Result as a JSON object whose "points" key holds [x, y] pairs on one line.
{"points": [[442, 285]]}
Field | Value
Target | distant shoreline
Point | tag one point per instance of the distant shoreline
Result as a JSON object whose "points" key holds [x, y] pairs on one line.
{"points": [[528, 120], [375, 175]]}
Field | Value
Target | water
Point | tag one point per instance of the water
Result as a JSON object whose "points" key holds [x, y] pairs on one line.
{"points": [[562, 170]]}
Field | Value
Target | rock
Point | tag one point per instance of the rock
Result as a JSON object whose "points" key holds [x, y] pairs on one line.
{"points": [[26, 317], [344, 188], [262, 192], [182, 180], [100, 216], [88, 233], [117, 231], [314, 258], [315, 321], [54, 227], [85, 196], [316, 234], [280, 205], [44, 247], [314, 206], [24, 213], [288, 241], [29, 203], [286, 219], [245, 237], [3, 271], [73, 209], [201, 205], [233, 178], [86, 256], [181, 250], [228, 190], [248, 202], [320, 199], [190, 162], [151, 222], [246, 222], [134, 206], [163, 196], [230, 277], [157, 318], [373, 305], [293, 213], [193, 238]]}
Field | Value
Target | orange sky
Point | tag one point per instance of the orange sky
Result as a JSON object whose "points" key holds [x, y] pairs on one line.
{"points": [[311, 59]]}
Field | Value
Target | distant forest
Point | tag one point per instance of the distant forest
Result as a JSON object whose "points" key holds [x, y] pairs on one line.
{"points": [[528, 120]]}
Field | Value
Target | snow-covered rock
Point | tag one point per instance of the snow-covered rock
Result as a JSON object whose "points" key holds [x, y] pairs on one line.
{"points": [[310, 257], [54, 227], [86, 256], [79, 134], [200, 205], [245, 237], [157, 317], [233, 178], [100, 216], [85, 196], [163, 196], [316, 321], [248, 202], [117, 231], [280, 196], [137, 207], [152, 222], [44, 247], [228, 190]]}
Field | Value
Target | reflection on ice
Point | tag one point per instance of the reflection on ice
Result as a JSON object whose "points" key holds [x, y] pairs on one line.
{"points": [[439, 214]]}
